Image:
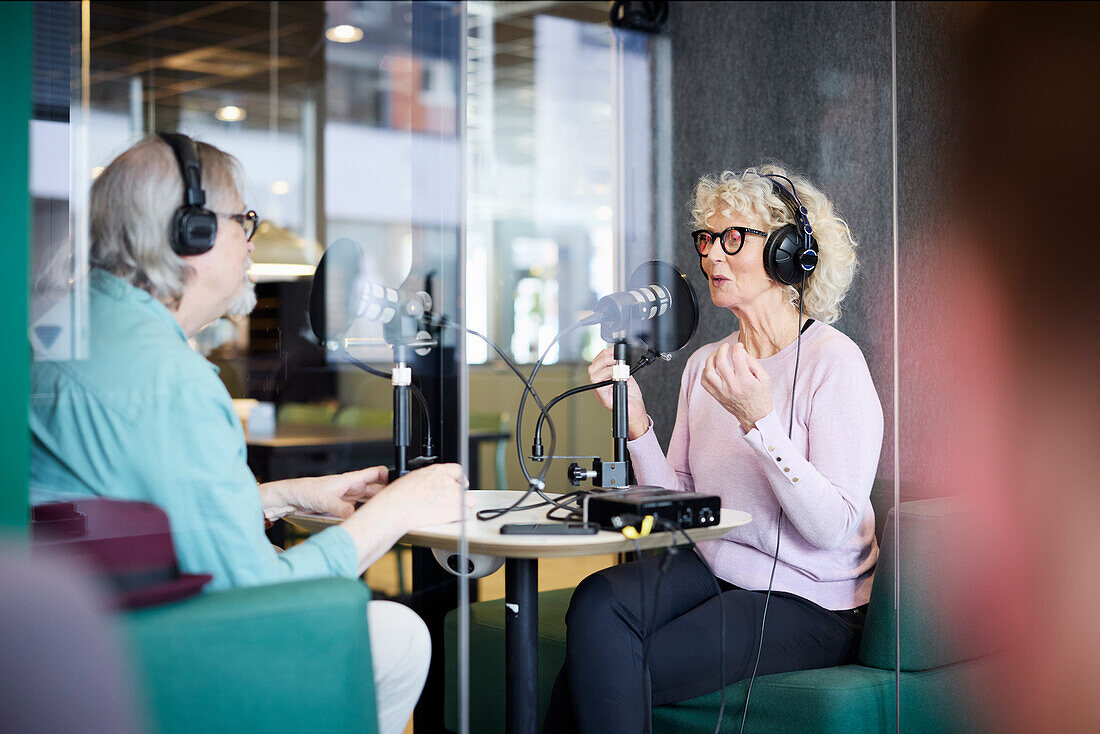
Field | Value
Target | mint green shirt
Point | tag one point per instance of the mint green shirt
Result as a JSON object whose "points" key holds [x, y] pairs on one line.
{"points": [[145, 417]]}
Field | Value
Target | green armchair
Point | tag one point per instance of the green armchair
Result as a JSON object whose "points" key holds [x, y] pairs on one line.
{"points": [[286, 657]]}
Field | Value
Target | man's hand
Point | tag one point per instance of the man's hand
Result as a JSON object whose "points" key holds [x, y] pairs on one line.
{"points": [[739, 383], [335, 494]]}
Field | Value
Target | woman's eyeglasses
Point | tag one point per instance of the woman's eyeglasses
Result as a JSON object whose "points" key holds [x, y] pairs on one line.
{"points": [[732, 239], [249, 221]]}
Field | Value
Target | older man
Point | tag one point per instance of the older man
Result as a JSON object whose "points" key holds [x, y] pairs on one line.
{"points": [[146, 418]]}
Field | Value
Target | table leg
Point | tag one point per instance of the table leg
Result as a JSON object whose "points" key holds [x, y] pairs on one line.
{"points": [[521, 635]]}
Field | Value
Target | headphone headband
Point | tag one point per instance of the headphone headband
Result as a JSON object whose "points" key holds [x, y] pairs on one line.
{"points": [[187, 155]]}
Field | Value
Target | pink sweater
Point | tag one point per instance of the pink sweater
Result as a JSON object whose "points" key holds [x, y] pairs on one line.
{"points": [[821, 477]]}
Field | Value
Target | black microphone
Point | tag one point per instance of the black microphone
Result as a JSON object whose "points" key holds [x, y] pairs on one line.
{"points": [[615, 312]]}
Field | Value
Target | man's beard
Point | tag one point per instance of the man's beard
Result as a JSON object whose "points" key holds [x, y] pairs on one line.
{"points": [[244, 300]]}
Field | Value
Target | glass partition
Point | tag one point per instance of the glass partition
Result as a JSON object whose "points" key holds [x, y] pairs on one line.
{"points": [[347, 121], [493, 167]]}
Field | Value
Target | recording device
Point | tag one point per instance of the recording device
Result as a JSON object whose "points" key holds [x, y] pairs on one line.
{"points": [[193, 227], [685, 509], [550, 528]]}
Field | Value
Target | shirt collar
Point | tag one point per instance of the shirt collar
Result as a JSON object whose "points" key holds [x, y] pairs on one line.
{"points": [[115, 287]]}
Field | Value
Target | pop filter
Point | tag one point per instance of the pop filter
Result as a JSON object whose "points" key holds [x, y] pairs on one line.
{"points": [[673, 329], [332, 297]]}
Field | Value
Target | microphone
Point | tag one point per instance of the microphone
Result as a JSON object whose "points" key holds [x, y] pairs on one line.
{"points": [[341, 294], [382, 304], [659, 309], [616, 311]]}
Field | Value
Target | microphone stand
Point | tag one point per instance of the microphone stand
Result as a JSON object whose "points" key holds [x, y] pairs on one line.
{"points": [[402, 334], [615, 473], [401, 379], [620, 418]]}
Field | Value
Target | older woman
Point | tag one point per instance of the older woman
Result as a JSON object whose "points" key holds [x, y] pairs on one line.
{"points": [[799, 454]]}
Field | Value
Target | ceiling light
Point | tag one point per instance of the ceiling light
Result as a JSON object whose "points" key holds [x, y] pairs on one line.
{"points": [[279, 187], [344, 33], [267, 272], [230, 113]]}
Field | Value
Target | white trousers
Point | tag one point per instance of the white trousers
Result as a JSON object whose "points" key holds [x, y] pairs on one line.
{"points": [[400, 650]]}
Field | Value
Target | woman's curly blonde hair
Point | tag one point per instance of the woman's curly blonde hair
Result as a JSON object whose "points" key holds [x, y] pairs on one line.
{"points": [[751, 192]]}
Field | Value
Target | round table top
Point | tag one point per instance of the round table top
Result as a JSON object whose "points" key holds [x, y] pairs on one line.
{"points": [[484, 537]]}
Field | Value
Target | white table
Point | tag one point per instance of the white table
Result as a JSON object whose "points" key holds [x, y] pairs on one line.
{"points": [[521, 554]]}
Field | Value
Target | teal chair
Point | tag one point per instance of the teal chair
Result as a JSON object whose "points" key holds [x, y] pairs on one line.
{"points": [[942, 668], [287, 657]]}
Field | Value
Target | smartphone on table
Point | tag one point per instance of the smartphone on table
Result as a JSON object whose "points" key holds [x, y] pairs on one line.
{"points": [[549, 528]]}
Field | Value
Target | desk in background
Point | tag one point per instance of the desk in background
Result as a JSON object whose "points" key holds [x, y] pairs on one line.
{"points": [[301, 450]]}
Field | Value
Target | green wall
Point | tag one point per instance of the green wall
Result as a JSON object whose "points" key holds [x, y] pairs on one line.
{"points": [[15, 115]]}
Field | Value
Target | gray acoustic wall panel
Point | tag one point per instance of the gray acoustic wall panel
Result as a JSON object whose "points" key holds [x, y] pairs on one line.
{"points": [[809, 85]]}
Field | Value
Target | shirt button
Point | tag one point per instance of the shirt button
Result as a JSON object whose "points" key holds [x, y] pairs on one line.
{"points": [[771, 448], [779, 458], [786, 468], [795, 479]]}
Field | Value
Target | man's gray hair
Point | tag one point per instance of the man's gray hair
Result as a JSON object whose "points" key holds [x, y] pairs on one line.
{"points": [[132, 203]]}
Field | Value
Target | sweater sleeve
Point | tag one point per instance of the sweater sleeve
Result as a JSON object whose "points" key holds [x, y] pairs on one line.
{"points": [[651, 466], [825, 494]]}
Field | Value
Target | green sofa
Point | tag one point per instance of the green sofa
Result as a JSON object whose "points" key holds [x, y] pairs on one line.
{"points": [[942, 667], [289, 657]]}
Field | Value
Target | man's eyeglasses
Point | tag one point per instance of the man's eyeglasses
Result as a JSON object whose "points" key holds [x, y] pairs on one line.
{"points": [[249, 221], [732, 239]]}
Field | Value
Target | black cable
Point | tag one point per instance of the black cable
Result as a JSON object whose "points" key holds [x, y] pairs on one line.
{"points": [[536, 446], [532, 486], [416, 393], [779, 522], [662, 570], [528, 388], [721, 632]]}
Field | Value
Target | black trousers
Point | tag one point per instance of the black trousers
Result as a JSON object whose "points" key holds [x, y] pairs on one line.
{"points": [[631, 645]]}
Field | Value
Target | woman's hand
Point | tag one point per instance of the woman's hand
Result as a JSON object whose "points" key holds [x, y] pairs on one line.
{"points": [[739, 383], [600, 370], [335, 494]]}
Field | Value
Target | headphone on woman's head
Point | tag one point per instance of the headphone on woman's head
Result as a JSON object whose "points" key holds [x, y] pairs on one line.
{"points": [[790, 254], [193, 226]]}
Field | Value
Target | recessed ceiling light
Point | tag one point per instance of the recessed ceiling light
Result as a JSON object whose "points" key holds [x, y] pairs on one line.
{"points": [[279, 187], [344, 33], [230, 113]]}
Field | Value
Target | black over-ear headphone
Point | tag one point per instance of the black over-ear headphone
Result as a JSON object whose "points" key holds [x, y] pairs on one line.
{"points": [[790, 254], [193, 226]]}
